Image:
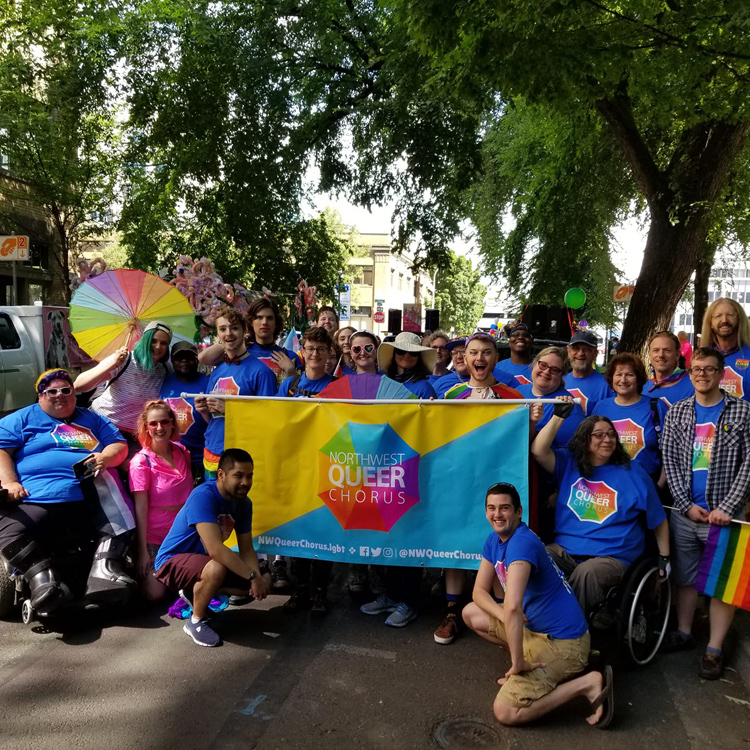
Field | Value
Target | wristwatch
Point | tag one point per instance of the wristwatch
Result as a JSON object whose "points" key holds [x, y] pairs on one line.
{"points": [[253, 576]]}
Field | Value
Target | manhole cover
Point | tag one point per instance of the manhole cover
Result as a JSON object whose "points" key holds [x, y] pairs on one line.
{"points": [[466, 733]]}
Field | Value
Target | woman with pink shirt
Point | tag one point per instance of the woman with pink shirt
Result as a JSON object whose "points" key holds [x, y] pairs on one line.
{"points": [[160, 480]]}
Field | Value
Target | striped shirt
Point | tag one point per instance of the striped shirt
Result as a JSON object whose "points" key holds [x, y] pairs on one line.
{"points": [[122, 402]]}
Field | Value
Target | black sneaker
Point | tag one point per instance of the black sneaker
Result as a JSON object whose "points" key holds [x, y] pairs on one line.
{"points": [[298, 601], [319, 603], [279, 576], [675, 641], [712, 666]]}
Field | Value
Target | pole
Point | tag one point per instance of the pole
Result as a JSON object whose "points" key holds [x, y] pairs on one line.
{"points": [[15, 283]]}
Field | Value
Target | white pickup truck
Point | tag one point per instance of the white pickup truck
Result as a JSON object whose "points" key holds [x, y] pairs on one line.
{"points": [[33, 338]]}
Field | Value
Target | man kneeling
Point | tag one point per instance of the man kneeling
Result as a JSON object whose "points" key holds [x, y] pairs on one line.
{"points": [[193, 554], [540, 621]]}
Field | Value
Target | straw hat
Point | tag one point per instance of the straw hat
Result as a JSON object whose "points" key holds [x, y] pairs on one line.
{"points": [[406, 342]]}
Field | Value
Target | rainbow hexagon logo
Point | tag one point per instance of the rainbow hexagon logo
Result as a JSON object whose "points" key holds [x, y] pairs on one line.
{"points": [[631, 436], [368, 476], [75, 436], [594, 502], [183, 410]]}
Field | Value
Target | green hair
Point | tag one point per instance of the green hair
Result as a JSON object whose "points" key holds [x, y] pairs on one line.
{"points": [[142, 351]]}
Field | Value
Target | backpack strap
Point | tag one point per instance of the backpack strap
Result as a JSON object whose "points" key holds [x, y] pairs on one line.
{"points": [[656, 421]]}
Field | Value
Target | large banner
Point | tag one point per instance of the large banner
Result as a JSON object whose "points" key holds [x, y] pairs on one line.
{"points": [[395, 484]]}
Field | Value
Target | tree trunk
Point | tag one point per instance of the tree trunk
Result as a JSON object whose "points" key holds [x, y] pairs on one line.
{"points": [[700, 296]]}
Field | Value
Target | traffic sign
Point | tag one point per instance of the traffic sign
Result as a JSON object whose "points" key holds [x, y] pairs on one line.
{"points": [[379, 317], [14, 247]]}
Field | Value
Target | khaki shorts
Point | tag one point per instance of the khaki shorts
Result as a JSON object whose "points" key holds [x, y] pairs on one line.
{"points": [[563, 659]]}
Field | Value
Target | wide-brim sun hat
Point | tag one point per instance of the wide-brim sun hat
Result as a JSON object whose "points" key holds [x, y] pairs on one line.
{"points": [[406, 342]]}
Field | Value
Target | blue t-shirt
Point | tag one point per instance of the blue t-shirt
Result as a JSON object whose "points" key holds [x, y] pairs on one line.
{"points": [[192, 424], [46, 449], [568, 427], [670, 394], [590, 389], [443, 384], [636, 430], [602, 515], [521, 373], [263, 352], [304, 384], [549, 603], [205, 504], [706, 419], [248, 378], [421, 388], [736, 380]]}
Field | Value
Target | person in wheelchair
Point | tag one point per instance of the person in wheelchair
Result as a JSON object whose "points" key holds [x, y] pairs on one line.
{"points": [[50, 453], [602, 503]]}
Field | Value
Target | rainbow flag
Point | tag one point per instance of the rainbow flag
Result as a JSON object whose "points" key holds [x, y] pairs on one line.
{"points": [[725, 568]]}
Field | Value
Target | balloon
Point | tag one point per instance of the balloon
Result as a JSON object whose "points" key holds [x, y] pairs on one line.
{"points": [[575, 298], [583, 324]]}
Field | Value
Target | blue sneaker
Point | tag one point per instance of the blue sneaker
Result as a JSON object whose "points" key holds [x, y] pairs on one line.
{"points": [[402, 616], [380, 605], [201, 633]]}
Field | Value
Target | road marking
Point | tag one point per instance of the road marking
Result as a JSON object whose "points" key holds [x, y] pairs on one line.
{"points": [[360, 651], [249, 710]]}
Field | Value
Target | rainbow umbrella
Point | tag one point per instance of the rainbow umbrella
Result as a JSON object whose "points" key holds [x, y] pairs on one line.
{"points": [[112, 309], [366, 387]]}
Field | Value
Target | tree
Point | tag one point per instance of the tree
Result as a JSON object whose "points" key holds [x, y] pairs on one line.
{"points": [[58, 122], [460, 295], [669, 80]]}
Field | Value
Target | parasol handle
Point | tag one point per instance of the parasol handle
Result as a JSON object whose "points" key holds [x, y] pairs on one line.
{"points": [[132, 325]]}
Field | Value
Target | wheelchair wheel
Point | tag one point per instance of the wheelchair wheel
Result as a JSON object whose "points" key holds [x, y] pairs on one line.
{"points": [[7, 590], [27, 612], [644, 612]]}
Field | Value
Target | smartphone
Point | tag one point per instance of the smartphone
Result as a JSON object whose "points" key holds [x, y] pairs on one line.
{"points": [[83, 468]]}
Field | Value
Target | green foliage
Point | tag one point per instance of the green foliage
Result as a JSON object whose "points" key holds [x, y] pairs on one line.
{"points": [[551, 190], [460, 295], [58, 116]]}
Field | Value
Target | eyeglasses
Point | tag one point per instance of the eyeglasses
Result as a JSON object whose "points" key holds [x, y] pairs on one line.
{"points": [[368, 348], [708, 370], [543, 367], [600, 435], [519, 335], [66, 390], [403, 352], [159, 423], [315, 349], [439, 348], [457, 352]]}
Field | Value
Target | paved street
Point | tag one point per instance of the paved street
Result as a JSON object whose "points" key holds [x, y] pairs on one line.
{"points": [[345, 682]]}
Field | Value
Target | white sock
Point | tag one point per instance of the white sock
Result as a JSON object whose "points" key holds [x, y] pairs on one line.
{"points": [[195, 620]]}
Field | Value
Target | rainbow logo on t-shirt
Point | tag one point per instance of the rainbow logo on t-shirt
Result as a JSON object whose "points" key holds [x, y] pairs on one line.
{"points": [[75, 436], [631, 436], [592, 501], [501, 574], [703, 445], [271, 364], [227, 387], [522, 379], [226, 526], [579, 394], [183, 411], [732, 383]]}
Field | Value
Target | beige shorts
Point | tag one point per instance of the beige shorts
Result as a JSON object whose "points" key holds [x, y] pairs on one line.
{"points": [[563, 659]]}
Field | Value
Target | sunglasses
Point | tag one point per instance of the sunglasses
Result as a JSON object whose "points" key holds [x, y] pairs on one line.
{"points": [[159, 423], [403, 352], [65, 391], [368, 348]]}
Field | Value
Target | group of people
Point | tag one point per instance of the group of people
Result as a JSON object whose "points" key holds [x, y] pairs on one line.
{"points": [[607, 457]]}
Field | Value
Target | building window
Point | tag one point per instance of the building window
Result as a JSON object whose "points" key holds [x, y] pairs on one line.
{"points": [[400, 282], [363, 311], [393, 276], [367, 276]]}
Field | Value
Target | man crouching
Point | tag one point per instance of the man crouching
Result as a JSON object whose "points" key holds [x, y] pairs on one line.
{"points": [[540, 621], [193, 554]]}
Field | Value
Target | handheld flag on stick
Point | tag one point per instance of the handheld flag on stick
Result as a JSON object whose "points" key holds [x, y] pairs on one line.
{"points": [[725, 568]]}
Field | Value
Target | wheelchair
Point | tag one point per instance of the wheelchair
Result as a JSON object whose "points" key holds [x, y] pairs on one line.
{"points": [[639, 607]]}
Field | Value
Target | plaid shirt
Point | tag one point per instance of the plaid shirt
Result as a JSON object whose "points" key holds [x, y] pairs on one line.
{"points": [[728, 481]]}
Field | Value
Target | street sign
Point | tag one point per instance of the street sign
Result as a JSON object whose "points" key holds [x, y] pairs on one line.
{"points": [[379, 317], [623, 292], [14, 247], [345, 302]]}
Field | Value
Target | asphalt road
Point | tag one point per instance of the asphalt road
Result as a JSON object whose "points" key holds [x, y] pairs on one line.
{"points": [[347, 681]]}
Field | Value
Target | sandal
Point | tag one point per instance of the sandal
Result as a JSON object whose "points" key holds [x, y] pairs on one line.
{"points": [[605, 698]]}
